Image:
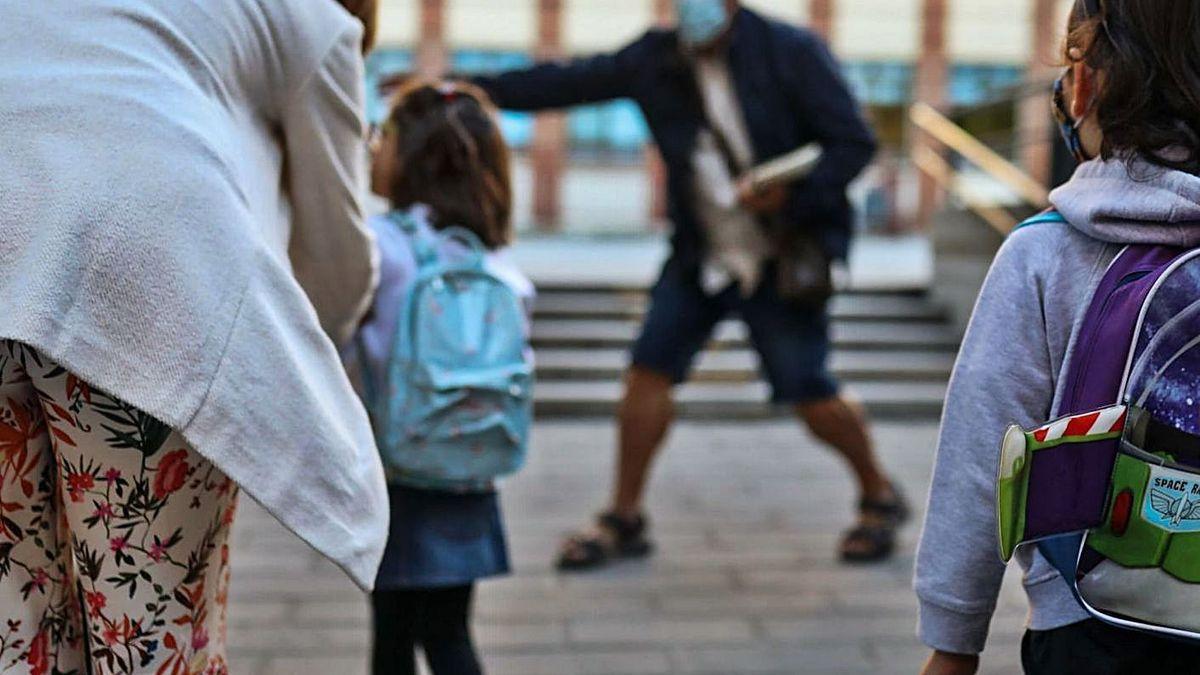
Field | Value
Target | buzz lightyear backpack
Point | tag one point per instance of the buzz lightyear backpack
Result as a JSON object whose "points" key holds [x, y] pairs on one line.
{"points": [[459, 402], [1110, 492]]}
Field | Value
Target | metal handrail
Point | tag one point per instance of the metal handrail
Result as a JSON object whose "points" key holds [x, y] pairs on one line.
{"points": [[936, 167], [943, 130]]}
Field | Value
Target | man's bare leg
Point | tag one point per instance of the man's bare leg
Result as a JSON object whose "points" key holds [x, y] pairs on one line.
{"points": [[646, 414], [842, 425]]}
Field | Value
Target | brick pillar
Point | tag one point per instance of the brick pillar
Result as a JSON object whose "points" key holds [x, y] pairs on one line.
{"points": [[431, 45], [932, 76], [550, 130], [820, 18], [664, 15], [1035, 128]]}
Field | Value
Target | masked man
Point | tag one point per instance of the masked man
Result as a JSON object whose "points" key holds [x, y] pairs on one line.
{"points": [[724, 91]]}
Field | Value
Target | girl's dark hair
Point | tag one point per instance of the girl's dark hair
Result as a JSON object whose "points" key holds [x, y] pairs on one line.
{"points": [[367, 11], [1148, 104], [452, 158]]}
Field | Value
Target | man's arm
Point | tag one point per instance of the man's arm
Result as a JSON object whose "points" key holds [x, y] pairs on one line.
{"points": [[560, 84], [820, 94]]}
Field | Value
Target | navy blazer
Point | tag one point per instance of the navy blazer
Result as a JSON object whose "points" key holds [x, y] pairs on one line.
{"points": [[791, 94]]}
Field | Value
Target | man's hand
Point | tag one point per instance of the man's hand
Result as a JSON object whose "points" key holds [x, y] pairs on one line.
{"points": [[763, 201], [943, 663]]}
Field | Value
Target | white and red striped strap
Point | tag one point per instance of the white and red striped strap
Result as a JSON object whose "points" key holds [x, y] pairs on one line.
{"points": [[1103, 422]]}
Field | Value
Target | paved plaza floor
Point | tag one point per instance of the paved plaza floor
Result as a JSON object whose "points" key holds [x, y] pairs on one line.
{"points": [[746, 516]]}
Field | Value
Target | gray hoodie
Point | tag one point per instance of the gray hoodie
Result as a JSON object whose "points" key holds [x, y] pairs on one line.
{"points": [[1009, 371]]}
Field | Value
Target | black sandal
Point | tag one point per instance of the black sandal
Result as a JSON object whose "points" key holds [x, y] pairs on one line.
{"points": [[590, 550], [877, 538]]}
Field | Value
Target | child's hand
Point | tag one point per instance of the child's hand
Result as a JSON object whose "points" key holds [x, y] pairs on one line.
{"points": [[943, 663]]}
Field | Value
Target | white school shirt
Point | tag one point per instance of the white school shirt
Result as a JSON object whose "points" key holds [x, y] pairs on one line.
{"points": [[737, 247]]}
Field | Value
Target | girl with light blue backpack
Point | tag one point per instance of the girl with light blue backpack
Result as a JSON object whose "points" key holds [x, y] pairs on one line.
{"points": [[445, 368]]}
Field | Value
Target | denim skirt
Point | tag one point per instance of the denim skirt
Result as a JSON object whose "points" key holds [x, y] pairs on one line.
{"points": [[439, 539]]}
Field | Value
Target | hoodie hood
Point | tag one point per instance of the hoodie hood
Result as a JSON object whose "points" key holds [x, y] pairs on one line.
{"points": [[1132, 202]]}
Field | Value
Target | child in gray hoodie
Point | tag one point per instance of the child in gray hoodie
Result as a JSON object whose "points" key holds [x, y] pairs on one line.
{"points": [[1130, 108]]}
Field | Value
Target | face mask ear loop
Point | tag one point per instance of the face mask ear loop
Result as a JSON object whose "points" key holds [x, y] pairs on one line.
{"points": [[1078, 124], [1093, 104]]}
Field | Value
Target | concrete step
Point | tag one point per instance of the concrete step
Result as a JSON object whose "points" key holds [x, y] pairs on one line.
{"points": [[857, 335], [726, 401], [570, 304], [741, 365]]}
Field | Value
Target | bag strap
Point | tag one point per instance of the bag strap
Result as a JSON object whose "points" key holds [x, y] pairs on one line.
{"points": [[424, 250], [477, 252], [425, 247], [1048, 216], [724, 147]]}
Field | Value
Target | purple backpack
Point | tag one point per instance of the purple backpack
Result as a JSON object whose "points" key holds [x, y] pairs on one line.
{"points": [[1110, 492]]}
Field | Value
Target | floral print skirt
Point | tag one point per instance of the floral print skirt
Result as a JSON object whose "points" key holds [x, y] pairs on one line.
{"points": [[113, 533]]}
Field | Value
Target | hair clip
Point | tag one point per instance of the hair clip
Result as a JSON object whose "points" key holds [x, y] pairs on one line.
{"points": [[448, 91]]}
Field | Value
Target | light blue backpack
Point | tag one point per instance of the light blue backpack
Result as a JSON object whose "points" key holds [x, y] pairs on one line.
{"points": [[459, 387]]}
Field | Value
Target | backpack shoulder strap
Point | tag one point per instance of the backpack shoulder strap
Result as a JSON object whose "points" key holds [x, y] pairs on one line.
{"points": [[1048, 216], [423, 248]]}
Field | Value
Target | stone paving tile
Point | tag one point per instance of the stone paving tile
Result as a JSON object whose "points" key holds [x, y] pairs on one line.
{"points": [[318, 666], [335, 612], [746, 604], [660, 631], [747, 519], [626, 662], [514, 634], [766, 659], [644, 577], [834, 628], [496, 606], [298, 641]]}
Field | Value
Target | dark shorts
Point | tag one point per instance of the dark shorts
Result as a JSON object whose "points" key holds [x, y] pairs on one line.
{"points": [[1097, 648], [792, 342]]}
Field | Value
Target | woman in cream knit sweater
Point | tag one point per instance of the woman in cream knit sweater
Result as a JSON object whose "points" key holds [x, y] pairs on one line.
{"points": [[181, 235]]}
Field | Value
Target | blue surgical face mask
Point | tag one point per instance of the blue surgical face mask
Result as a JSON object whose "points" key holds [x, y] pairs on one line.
{"points": [[1067, 125], [701, 21]]}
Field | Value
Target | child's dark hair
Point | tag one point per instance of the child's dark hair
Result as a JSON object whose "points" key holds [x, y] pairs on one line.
{"points": [[1149, 53], [452, 158]]}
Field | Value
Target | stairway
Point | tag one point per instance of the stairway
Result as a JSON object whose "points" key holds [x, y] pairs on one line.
{"points": [[893, 352]]}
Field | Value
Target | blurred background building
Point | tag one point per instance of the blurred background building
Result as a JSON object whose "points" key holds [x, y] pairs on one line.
{"points": [[594, 163]]}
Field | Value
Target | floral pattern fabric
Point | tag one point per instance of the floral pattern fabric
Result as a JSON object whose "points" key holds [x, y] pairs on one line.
{"points": [[113, 533]]}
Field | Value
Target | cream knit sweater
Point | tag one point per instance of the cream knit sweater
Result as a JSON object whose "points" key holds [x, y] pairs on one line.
{"points": [[181, 224]]}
